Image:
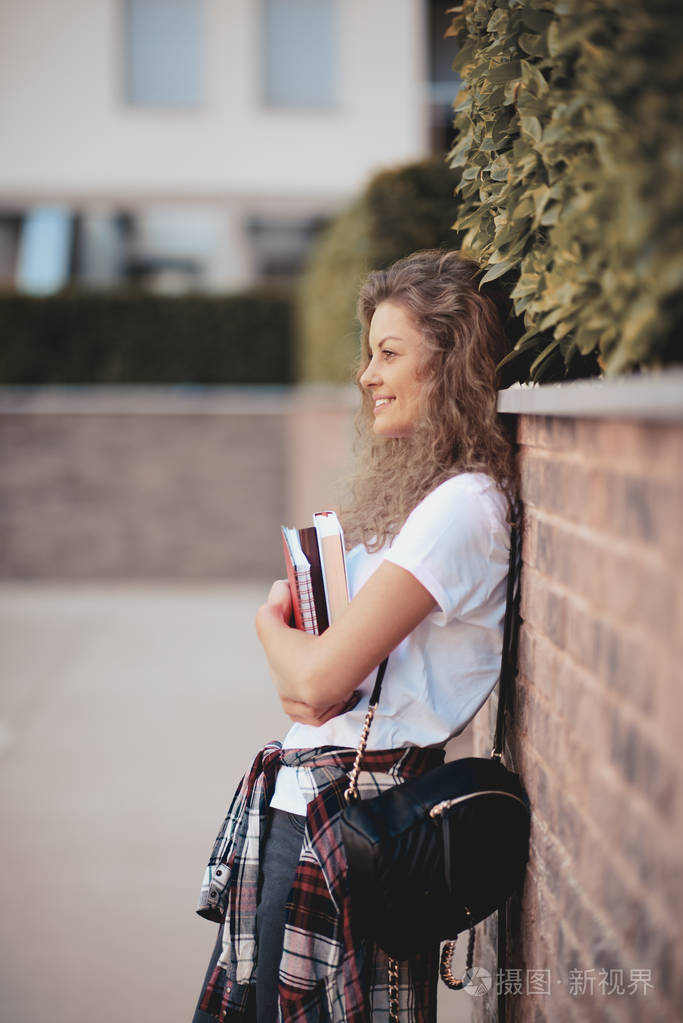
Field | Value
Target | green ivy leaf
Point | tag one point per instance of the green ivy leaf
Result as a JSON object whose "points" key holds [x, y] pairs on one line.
{"points": [[547, 351], [494, 272], [532, 127]]}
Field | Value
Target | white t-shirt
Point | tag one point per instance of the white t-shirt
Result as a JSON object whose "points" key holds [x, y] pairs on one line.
{"points": [[456, 543]]}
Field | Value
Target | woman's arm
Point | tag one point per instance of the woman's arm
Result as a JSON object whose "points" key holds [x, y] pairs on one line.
{"points": [[304, 714], [323, 671]]}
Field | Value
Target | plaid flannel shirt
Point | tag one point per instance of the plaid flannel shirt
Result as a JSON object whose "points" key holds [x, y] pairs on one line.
{"points": [[325, 975]]}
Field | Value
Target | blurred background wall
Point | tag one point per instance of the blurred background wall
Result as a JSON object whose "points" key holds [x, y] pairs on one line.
{"points": [[199, 143], [169, 168]]}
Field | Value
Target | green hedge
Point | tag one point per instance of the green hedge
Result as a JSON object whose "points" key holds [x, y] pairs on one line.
{"points": [[144, 339], [569, 136], [400, 211]]}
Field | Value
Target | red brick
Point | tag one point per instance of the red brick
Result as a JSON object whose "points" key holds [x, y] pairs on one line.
{"points": [[608, 801], [655, 947], [523, 754], [553, 556], [593, 511], [529, 585], [623, 906], [546, 655], [582, 640], [583, 706], [639, 592], [643, 764], [547, 735], [569, 951], [526, 430], [669, 693], [656, 866], [529, 537], [552, 864], [677, 624], [555, 618], [584, 494], [569, 556], [543, 607], [654, 449], [560, 486], [556, 432], [621, 661], [624, 662], [515, 724], [582, 915], [647, 512], [531, 478], [607, 440], [542, 792], [571, 828], [525, 652]]}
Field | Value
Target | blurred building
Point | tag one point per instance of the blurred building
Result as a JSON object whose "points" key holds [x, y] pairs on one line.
{"points": [[201, 144]]}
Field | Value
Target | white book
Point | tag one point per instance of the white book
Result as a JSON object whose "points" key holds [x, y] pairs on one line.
{"points": [[333, 562]]}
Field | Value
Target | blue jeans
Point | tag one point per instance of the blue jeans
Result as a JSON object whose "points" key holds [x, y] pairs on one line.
{"points": [[278, 867]]}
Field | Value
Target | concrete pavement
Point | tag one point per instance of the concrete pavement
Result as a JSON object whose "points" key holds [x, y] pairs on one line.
{"points": [[128, 713]]}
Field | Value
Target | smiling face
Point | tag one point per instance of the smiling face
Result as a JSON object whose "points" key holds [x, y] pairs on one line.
{"points": [[393, 377]]}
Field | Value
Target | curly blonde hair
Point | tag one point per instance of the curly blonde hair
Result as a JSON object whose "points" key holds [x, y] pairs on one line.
{"points": [[460, 430]]}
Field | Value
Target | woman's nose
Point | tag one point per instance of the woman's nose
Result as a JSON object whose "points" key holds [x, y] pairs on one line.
{"points": [[369, 377]]}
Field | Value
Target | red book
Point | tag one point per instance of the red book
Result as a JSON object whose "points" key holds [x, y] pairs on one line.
{"points": [[316, 571]]}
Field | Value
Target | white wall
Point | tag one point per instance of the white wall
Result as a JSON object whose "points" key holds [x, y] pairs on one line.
{"points": [[65, 131]]}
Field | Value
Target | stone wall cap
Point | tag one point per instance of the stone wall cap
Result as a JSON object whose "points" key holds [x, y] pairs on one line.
{"points": [[653, 395], [169, 400]]}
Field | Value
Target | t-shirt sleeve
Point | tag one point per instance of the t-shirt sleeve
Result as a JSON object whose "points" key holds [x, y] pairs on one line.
{"points": [[456, 543]]}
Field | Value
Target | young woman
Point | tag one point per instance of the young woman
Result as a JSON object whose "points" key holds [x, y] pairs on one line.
{"points": [[428, 531]]}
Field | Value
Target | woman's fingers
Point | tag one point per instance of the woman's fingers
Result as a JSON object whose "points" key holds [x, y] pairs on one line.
{"points": [[280, 598], [303, 714]]}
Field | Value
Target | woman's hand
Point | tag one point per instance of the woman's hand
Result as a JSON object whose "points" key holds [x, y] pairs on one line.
{"points": [[304, 714], [279, 605], [323, 671], [280, 600]]}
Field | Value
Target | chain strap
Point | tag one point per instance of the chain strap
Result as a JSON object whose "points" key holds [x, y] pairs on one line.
{"points": [[392, 970], [446, 963], [352, 790], [352, 793]]}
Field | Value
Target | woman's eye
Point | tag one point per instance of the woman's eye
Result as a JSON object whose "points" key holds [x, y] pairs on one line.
{"points": [[387, 352]]}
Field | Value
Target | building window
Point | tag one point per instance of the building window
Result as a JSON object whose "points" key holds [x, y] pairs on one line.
{"points": [[301, 58], [162, 52], [45, 250], [282, 245]]}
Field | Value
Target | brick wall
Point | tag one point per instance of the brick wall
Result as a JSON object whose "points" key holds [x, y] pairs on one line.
{"points": [[133, 483], [598, 725]]}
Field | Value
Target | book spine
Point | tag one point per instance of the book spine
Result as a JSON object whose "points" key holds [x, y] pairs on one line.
{"points": [[300, 584], [306, 603]]}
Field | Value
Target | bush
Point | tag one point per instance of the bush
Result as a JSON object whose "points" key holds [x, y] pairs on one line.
{"points": [[145, 339], [401, 210], [568, 133]]}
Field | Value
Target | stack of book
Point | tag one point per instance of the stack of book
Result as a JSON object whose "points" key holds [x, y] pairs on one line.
{"points": [[316, 570]]}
